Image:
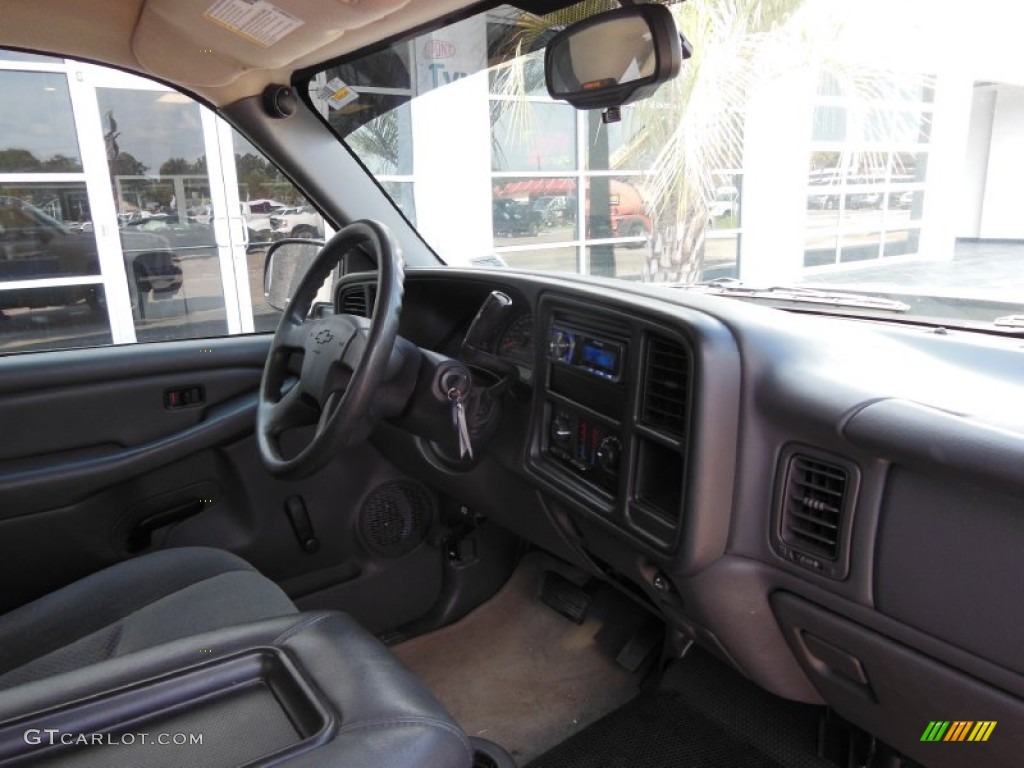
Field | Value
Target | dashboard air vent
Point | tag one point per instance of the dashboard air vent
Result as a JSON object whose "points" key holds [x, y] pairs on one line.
{"points": [[666, 385], [812, 507], [357, 300]]}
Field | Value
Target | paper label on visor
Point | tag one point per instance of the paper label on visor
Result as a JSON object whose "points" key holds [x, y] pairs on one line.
{"points": [[257, 21]]}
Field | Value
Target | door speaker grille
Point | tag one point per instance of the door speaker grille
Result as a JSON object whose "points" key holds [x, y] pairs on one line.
{"points": [[395, 517]]}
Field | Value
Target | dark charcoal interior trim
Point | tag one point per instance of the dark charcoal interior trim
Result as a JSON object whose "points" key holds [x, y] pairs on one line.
{"points": [[920, 436]]}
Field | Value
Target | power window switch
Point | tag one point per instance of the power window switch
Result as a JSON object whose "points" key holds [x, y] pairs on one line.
{"points": [[183, 397]]}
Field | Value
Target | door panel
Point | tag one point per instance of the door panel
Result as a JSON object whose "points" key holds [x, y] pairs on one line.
{"points": [[95, 468], [78, 417], [82, 420]]}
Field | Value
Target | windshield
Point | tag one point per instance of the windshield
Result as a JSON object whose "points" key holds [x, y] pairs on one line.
{"points": [[870, 146]]}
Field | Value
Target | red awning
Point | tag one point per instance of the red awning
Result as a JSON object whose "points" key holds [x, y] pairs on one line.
{"points": [[534, 188]]}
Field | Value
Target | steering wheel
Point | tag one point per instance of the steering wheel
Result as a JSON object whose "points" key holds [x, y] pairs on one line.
{"points": [[345, 359]]}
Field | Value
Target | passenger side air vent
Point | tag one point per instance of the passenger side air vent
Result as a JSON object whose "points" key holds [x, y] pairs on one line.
{"points": [[666, 385], [814, 503], [357, 300]]}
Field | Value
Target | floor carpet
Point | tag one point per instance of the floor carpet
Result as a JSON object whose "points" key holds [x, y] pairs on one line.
{"points": [[516, 672], [703, 715]]}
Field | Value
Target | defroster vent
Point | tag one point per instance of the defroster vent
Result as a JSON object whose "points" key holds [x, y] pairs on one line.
{"points": [[666, 385], [813, 505]]}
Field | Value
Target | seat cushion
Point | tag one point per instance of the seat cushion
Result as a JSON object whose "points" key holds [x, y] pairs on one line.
{"points": [[378, 714], [133, 605]]}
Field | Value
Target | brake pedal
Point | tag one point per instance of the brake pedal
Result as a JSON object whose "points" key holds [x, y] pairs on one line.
{"points": [[561, 595]]}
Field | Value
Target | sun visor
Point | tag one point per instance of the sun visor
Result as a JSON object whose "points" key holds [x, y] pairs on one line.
{"points": [[213, 42]]}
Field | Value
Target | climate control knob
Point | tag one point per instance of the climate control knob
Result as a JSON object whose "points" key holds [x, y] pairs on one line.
{"points": [[560, 346], [561, 430], [609, 451]]}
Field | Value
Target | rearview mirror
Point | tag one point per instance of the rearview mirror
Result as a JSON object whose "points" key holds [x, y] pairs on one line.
{"points": [[614, 58]]}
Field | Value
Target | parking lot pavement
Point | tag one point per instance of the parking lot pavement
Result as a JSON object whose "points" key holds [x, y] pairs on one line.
{"points": [[995, 270], [983, 282]]}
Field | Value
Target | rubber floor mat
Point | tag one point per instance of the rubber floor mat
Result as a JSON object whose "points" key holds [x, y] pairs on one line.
{"points": [[703, 715]]}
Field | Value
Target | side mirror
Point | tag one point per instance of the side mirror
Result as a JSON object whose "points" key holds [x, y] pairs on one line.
{"points": [[614, 58], [287, 261]]}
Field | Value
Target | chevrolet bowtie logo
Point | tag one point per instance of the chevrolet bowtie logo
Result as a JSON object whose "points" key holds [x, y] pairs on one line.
{"points": [[323, 337]]}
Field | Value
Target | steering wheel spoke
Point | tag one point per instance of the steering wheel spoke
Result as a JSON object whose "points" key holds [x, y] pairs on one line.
{"points": [[354, 351], [292, 335], [345, 358], [296, 408]]}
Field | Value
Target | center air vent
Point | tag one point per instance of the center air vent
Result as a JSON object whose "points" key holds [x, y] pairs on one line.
{"points": [[666, 385], [357, 300], [815, 501]]}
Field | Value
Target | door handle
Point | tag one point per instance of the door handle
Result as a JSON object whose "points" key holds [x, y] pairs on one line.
{"points": [[141, 536]]}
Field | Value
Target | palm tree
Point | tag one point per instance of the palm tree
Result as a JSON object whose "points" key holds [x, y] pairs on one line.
{"points": [[741, 46], [692, 133], [379, 138], [693, 128]]}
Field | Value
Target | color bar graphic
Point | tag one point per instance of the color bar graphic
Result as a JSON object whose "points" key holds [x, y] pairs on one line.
{"points": [[982, 730], [935, 731], [958, 730]]}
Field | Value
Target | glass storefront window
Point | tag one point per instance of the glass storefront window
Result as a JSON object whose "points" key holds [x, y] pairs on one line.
{"points": [[518, 74], [383, 143], [820, 247], [901, 242], [402, 193], [155, 150], [533, 136], [615, 207], [611, 146], [156, 153], [46, 231], [533, 210], [721, 255], [178, 274], [259, 179], [829, 123], [37, 130], [909, 166], [859, 246], [272, 209], [614, 260], [389, 65], [53, 317], [33, 58], [861, 197], [553, 259]]}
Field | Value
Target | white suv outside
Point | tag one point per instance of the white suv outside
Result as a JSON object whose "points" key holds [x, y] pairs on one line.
{"points": [[301, 221]]}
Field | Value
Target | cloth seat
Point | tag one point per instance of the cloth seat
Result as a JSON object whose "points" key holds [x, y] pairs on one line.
{"points": [[143, 620], [133, 605]]}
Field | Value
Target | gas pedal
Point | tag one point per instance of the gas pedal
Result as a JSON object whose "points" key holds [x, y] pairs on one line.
{"points": [[561, 595]]}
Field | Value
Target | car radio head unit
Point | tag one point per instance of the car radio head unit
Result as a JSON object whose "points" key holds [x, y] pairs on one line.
{"points": [[584, 352]]}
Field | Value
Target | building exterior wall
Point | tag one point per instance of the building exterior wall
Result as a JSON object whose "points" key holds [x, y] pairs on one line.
{"points": [[1001, 213]]}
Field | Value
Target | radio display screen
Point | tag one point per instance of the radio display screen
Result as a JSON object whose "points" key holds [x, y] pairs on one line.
{"points": [[600, 358]]}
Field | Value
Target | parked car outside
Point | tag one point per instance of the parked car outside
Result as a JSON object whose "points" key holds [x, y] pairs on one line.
{"points": [[551, 209], [513, 218], [33, 244], [179, 234], [726, 203], [257, 215], [302, 221]]}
